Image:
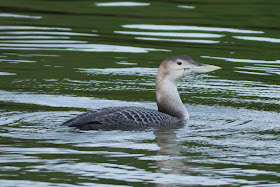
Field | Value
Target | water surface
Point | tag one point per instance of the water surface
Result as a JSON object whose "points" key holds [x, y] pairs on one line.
{"points": [[61, 58]]}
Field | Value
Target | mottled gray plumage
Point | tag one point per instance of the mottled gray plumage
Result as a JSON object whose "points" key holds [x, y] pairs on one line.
{"points": [[171, 109], [120, 117]]}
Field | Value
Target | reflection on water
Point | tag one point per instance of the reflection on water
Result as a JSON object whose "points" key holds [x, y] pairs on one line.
{"points": [[58, 101], [48, 33], [173, 34], [79, 47], [60, 58], [30, 55], [179, 40], [244, 60], [121, 4], [43, 41], [184, 156], [33, 28], [185, 6], [183, 27], [33, 37], [47, 44], [19, 16], [259, 67], [6, 73], [126, 63], [136, 71], [262, 39], [16, 61], [188, 35], [268, 70]]}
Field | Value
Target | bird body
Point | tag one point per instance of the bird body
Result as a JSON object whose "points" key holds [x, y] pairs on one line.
{"points": [[171, 109], [129, 117]]}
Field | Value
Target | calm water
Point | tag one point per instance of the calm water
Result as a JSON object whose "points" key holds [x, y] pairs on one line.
{"points": [[61, 58]]}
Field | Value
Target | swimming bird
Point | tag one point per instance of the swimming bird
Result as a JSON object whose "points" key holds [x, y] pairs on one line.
{"points": [[171, 109]]}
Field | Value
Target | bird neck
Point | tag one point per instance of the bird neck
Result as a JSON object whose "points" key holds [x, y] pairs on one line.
{"points": [[168, 98]]}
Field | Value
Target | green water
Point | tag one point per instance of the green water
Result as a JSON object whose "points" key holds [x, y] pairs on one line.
{"points": [[60, 58]]}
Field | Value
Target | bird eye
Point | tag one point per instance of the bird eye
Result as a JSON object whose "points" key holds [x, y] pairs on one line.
{"points": [[179, 63]]}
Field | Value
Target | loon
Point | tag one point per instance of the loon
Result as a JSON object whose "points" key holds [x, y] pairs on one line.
{"points": [[171, 109]]}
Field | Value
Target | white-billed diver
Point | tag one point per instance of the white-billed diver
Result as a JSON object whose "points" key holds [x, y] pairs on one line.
{"points": [[171, 109]]}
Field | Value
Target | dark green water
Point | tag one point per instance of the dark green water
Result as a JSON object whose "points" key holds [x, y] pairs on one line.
{"points": [[59, 58]]}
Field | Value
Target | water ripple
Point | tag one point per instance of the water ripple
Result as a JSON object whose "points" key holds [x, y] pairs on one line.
{"points": [[243, 60], [48, 33], [7, 73], [178, 40], [185, 6], [19, 16], [137, 71], [42, 41], [32, 28], [132, 174], [80, 47], [116, 4], [181, 27], [261, 69], [173, 34], [261, 39]]}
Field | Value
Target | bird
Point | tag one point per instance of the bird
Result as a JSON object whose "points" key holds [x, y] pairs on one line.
{"points": [[171, 109]]}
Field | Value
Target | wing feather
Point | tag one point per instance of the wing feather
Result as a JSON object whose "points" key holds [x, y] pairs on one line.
{"points": [[120, 117]]}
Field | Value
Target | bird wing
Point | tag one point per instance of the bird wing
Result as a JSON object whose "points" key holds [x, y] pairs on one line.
{"points": [[120, 117]]}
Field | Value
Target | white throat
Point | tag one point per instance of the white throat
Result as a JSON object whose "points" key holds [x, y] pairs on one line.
{"points": [[168, 98]]}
